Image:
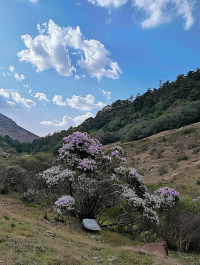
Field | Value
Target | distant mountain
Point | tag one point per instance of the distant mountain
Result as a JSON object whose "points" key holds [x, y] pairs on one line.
{"points": [[10, 128]]}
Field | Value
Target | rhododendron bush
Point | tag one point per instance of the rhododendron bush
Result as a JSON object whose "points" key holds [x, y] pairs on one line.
{"points": [[86, 182]]}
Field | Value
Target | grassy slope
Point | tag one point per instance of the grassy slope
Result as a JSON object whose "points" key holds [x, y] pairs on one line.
{"points": [[33, 241], [27, 240], [169, 158]]}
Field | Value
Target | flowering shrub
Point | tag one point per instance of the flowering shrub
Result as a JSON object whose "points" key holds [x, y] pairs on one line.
{"points": [[87, 165], [96, 182], [66, 202], [54, 175], [30, 194], [167, 196]]}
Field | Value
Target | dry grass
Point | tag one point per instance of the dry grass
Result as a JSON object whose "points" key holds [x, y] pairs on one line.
{"points": [[168, 158], [25, 239]]}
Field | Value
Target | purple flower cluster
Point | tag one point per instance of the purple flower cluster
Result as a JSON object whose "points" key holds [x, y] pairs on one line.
{"points": [[87, 165], [117, 152], [167, 195], [114, 153], [66, 202], [82, 142]]}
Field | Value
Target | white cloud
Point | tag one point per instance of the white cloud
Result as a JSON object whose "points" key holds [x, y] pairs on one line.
{"points": [[185, 9], [46, 122], [11, 68], [109, 3], [29, 91], [157, 12], [86, 103], [2, 68], [69, 121], [57, 99], [41, 96], [28, 103], [4, 102], [8, 74], [25, 85], [106, 94], [49, 51], [4, 93], [96, 59], [4, 74], [52, 49], [80, 119], [77, 77], [12, 104], [19, 77], [40, 29]]}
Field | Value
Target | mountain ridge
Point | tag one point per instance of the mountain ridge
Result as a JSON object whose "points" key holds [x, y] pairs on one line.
{"points": [[14, 131]]}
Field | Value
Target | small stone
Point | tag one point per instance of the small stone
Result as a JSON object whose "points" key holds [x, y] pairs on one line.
{"points": [[91, 224], [96, 259]]}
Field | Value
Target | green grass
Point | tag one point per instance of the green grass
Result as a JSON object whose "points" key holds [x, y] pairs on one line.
{"points": [[29, 204], [183, 132], [152, 188], [6, 217], [184, 258], [28, 240]]}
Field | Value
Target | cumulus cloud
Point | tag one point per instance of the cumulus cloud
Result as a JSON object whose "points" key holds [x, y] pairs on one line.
{"points": [[57, 99], [80, 119], [96, 59], [77, 77], [86, 103], [4, 102], [19, 77], [46, 122], [12, 104], [109, 3], [69, 121], [54, 46], [106, 94], [4, 74], [3, 93], [11, 68], [42, 28], [41, 96], [157, 11], [28, 103]]}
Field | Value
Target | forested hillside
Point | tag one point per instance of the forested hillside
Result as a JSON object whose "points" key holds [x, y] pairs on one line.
{"points": [[171, 106]]}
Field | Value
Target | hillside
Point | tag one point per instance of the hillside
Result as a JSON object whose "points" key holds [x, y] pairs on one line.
{"points": [[26, 238], [173, 105], [167, 158], [10, 128]]}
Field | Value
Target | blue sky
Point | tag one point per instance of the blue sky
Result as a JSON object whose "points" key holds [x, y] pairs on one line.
{"points": [[62, 61]]}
